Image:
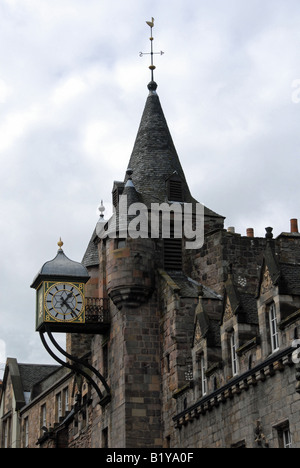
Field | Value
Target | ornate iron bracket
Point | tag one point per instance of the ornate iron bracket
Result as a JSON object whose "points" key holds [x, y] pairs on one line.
{"points": [[78, 367]]}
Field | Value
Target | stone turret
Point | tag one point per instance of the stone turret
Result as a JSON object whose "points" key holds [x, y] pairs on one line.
{"points": [[128, 267]]}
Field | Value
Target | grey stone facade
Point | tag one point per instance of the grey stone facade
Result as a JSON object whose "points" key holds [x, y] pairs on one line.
{"points": [[177, 335]]}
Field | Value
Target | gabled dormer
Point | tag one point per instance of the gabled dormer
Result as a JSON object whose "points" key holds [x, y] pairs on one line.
{"points": [[206, 344], [239, 327], [117, 191], [278, 300]]}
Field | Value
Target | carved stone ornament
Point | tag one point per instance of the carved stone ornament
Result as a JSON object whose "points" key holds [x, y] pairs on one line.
{"points": [[197, 333], [228, 310], [266, 284], [259, 437]]}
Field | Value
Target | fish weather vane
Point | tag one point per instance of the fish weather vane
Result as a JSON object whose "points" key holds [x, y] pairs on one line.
{"points": [[152, 66]]}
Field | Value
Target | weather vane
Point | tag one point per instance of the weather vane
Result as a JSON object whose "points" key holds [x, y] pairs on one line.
{"points": [[152, 66]]}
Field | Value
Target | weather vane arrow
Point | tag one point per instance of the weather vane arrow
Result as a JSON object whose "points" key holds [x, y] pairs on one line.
{"points": [[152, 66]]}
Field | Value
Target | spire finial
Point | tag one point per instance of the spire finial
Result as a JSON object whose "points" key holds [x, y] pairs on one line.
{"points": [[60, 243], [152, 66], [129, 172], [101, 209]]}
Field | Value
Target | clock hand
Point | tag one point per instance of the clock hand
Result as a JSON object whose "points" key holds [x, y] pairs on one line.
{"points": [[67, 297], [63, 302]]}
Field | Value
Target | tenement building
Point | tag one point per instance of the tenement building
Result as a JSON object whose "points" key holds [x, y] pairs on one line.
{"points": [[195, 347]]}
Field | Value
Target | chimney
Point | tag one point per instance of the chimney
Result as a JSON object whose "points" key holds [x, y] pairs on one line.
{"points": [[250, 232], [294, 225], [231, 229]]}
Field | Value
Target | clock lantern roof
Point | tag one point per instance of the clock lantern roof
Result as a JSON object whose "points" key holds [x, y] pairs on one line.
{"points": [[61, 267]]}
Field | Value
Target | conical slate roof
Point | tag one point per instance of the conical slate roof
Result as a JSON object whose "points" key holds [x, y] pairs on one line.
{"points": [[154, 158]]}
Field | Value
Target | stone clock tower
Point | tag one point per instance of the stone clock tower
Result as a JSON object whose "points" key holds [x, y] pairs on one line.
{"points": [[129, 271]]}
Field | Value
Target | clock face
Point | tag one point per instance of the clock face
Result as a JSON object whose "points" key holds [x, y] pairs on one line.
{"points": [[64, 302]]}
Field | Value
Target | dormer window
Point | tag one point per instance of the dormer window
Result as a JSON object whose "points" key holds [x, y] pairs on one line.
{"points": [[274, 335], [203, 375], [234, 357], [117, 192]]}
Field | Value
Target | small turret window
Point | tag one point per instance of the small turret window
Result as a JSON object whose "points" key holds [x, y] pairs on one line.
{"points": [[120, 243]]}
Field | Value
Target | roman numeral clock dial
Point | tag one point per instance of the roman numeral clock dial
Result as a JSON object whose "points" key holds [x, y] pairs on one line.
{"points": [[64, 303]]}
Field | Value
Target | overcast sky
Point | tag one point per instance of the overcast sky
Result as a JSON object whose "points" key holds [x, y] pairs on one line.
{"points": [[72, 92]]}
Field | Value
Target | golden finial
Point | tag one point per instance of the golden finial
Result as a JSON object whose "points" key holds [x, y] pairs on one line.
{"points": [[60, 243]]}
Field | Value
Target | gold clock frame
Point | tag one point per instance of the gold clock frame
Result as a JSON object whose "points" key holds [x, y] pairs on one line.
{"points": [[43, 315]]}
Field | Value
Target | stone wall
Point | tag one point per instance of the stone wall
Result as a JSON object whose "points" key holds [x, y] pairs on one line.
{"points": [[223, 249], [47, 399], [176, 330], [132, 418], [108, 422], [230, 419]]}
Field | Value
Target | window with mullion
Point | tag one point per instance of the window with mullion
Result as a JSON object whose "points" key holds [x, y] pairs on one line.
{"points": [[273, 329]]}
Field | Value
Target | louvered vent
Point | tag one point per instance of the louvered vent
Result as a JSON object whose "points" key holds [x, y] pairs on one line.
{"points": [[117, 192], [115, 197], [173, 254], [175, 190]]}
